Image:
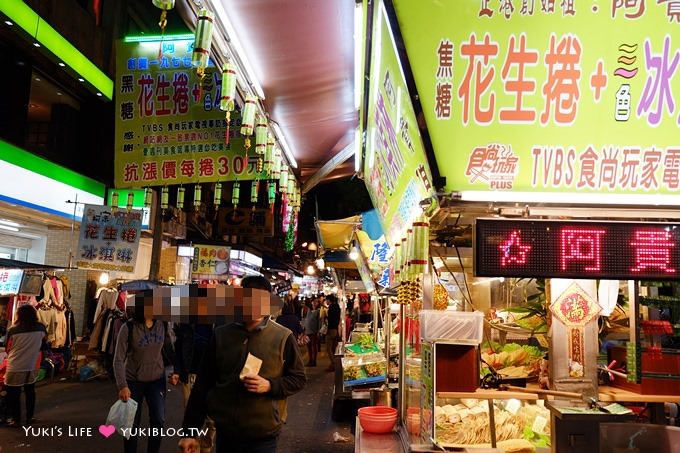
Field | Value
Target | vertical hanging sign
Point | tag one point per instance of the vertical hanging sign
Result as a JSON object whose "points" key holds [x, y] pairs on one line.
{"points": [[109, 241]]}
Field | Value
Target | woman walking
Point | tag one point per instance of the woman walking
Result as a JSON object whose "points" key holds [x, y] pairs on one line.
{"points": [[139, 368], [25, 339], [312, 323]]}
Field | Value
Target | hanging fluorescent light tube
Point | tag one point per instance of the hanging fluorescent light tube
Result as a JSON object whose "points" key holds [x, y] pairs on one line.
{"points": [[9, 223], [8, 228], [357, 150], [237, 48], [284, 145], [358, 53]]}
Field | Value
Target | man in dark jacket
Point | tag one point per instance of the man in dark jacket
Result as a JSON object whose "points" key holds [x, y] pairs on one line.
{"points": [[248, 408], [332, 335]]}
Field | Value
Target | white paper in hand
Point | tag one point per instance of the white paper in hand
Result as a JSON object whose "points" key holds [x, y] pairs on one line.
{"points": [[252, 366]]}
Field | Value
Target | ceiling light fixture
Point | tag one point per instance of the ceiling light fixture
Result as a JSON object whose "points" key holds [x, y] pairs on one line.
{"points": [[9, 22], [358, 53], [80, 79], [49, 38], [9, 223], [357, 150], [237, 49], [61, 64], [284, 145], [8, 228]]}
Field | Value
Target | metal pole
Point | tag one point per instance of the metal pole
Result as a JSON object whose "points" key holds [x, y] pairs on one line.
{"points": [[73, 226]]}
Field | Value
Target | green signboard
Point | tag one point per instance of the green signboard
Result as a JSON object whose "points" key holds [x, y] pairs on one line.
{"points": [[396, 171], [550, 100], [169, 128]]}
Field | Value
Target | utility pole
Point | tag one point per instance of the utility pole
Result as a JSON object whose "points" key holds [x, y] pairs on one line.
{"points": [[157, 244]]}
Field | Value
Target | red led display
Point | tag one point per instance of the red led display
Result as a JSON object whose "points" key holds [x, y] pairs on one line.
{"points": [[577, 249]]}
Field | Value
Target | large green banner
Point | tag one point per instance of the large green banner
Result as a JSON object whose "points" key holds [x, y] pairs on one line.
{"points": [[169, 128], [564, 98], [396, 171]]}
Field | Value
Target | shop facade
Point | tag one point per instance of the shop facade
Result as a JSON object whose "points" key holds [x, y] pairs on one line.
{"points": [[511, 122]]}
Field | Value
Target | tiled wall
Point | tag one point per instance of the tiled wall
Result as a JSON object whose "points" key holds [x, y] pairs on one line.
{"points": [[59, 242]]}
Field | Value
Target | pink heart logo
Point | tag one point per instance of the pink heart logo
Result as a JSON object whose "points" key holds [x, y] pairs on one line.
{"points": [[107, 430]]}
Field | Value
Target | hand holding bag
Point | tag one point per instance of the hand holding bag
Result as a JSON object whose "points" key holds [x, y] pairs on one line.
{"points": [[324, 328], [122, 416]]}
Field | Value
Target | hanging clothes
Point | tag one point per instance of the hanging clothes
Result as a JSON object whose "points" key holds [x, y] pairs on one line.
{"points": [[106, 299]]}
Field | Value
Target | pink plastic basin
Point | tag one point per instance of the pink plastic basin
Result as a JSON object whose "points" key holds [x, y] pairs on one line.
{"points": [[377, 419]]}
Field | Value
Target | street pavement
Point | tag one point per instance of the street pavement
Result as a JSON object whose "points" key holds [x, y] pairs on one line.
{"points": [[70, 412]]}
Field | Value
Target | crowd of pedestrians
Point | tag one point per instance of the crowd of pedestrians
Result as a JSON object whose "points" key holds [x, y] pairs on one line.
{"points": [[235, 378]]}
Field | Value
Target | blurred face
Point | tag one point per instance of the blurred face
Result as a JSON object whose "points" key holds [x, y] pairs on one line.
{"points": [[189, 303]]}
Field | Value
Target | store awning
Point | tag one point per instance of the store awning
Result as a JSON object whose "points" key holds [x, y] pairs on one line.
{"points": [[6, 263], [336, 234]]}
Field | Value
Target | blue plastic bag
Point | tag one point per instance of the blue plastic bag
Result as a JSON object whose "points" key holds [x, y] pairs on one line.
{"points": [[122, 416]]}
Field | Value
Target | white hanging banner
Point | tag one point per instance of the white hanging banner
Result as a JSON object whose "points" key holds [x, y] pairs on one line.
{"points": [[109, 240]]}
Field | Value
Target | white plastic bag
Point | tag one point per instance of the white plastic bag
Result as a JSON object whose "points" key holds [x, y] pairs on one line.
{"points": [[122, 416]]}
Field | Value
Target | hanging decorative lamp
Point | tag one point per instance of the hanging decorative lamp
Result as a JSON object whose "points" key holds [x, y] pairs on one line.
{"points": [[276, 172], [396, 261], [269, 155], [420, 245], [283, 179], [248, 119], [130, 201], [271, 192], [197, 197], [148, 196], [217, 199], [164, 6], [114, 201], [290, 190], [202, 41], [261, 140], [254, 189], [228, 94], [235, 193], [180, 197], [164, 197]]}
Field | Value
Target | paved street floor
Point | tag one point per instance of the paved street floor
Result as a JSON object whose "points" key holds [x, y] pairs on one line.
{"points": [[70, 412]]}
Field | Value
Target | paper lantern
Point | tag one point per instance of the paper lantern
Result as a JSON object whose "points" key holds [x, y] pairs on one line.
{"points": [[164, 197], [228, 94], [217, 199], [164, 6], [283, 179], [114, 201], [261, 135], [248, 117], [269, 155], [197, 197], [420, 247], [403, 262], [130, 201], [235, 193], [180, 197], [271, 192], [290, 190], [202, 41], [148, 196], [254, 188], [396, 261], [278, 161]]}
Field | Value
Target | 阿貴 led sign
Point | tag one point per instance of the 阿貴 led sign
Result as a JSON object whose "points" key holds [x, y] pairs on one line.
{"points": [[577, 249]]}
